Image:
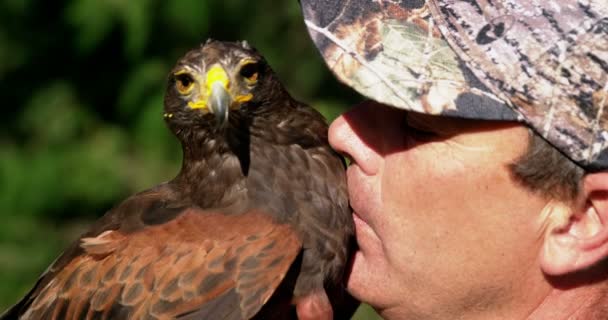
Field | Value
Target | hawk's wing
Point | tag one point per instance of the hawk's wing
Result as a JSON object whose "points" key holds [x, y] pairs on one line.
{"points": [[158, 261]]}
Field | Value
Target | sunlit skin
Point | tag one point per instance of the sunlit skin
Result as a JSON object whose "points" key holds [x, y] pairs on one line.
{"points": [[444, 230]]}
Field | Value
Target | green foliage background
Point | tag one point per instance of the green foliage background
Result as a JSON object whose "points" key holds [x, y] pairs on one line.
{"points": [[81, 100]]}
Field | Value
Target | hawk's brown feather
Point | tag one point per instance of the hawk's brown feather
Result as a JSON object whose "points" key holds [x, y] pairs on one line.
{"points": [[172, 269]]}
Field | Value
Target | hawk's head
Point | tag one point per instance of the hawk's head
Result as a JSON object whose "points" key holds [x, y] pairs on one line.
{"points": [[213, 81]]}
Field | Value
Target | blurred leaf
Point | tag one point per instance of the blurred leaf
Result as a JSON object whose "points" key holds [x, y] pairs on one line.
{"points": [[136, 16], [330, 109], [146, 79], [365, 312], [93, 171], [54, 115], [92, 20], [47, 180], [15, 7], [157, 153], [305, 76], [12, 53], [11, 176], [189, 18]]}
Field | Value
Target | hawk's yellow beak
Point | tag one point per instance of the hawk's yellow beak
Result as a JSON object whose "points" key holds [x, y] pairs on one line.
{"points": [[218, 99]]}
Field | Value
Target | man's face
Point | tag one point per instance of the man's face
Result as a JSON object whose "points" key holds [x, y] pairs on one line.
{"points": [[441, 224]]}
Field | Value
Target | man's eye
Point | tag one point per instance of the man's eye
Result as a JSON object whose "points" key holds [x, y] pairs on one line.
{"points": [[419, 133]]}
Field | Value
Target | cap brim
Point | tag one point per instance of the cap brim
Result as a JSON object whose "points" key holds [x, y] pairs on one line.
{"points": [[390, 52], [395, 52]]}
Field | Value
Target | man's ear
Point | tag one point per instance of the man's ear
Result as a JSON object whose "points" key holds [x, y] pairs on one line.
{"points": [[577, 235]]}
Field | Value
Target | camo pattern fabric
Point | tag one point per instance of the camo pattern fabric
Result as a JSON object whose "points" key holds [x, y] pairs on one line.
{"points": [[544, 63]]}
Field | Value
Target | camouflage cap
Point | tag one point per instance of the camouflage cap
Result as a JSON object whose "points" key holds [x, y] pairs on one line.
{"points": [[543, 63]]}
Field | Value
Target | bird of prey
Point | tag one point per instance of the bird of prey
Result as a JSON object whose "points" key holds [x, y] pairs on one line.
{"points": [[255, 224]]}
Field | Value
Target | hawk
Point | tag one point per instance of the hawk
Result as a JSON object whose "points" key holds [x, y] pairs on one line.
{"points": [[256, 222]]}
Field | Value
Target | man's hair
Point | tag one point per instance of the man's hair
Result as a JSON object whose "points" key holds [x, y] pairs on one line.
{"points": [[546, 171]]}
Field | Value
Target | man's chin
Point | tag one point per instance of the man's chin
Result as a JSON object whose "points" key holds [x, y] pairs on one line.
{"points": [[365, 281], [355, 283]]}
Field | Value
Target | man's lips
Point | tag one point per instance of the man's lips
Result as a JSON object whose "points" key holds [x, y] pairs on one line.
{"points": [[362, 202], [367, 239], [358, 193], [359, 222]]}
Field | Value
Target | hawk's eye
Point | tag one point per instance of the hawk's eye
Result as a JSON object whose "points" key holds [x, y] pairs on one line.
{"points": [[184, 83], [250, 72]]}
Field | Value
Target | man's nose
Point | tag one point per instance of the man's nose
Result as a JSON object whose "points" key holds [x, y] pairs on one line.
{"points": [[355, 135]]}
